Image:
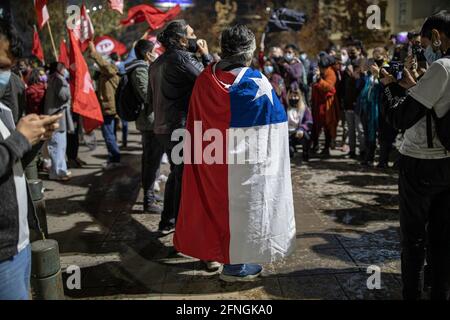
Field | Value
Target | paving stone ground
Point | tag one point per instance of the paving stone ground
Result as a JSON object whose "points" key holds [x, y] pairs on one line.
{"points": [[346, 217]]}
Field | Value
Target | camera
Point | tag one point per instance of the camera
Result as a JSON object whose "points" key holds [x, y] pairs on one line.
{"points": [[395, 68]]}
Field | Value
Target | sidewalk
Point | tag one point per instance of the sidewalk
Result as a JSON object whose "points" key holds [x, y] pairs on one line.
{"points": [[346, 218]]}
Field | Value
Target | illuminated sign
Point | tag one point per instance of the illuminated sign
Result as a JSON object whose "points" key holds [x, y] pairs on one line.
{"points": [[172, 3]]}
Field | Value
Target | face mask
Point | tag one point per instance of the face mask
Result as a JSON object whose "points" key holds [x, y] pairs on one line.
{"points": [[432, 56], [66, 74], [379, 63], [5, 76], [344, 58], [43, 78], [303, 56], [192, 45], [289, 57], [294, 102], [268, 69]]}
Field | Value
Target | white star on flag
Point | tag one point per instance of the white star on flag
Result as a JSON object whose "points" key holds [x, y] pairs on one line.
{"points": [[264, 88]]}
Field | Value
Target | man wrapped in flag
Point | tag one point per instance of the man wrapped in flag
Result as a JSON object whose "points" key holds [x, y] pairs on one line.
{"points": [[237, 205]]}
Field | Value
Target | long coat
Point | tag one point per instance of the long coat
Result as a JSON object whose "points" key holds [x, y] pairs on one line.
{"points": [[58, 95]]}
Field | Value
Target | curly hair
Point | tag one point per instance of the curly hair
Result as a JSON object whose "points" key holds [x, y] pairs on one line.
{"points": [[238, 43]]}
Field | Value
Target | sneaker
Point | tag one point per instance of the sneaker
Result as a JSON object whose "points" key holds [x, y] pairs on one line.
{"points": [[165, 159], [157, 187], [241, 272], [73, 164], [162, 178], [81, 162], [166, 230], [111, 165], [153, 209], [212, 265], [158, 198]]}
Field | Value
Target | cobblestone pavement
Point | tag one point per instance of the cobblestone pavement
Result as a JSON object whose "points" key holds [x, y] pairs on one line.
{"points": [[346, 218]]}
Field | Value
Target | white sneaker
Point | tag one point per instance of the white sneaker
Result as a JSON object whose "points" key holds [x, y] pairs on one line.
{"points": [[165, 159], [162, 178], [157, 188], [212, 265]]}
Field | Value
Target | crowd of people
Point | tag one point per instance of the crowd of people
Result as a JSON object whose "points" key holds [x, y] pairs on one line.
{"points": [[372, 99]]}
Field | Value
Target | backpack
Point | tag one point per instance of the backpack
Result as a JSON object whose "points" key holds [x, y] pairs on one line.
{"points": [[442, 128], [128, 103]]}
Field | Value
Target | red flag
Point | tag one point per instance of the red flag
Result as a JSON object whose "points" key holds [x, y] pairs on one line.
{"points": [[154, 17], [41, 12], [116, 5], [85, 101], [37, 47], [106, 45], [84, 30], [64, 54]]}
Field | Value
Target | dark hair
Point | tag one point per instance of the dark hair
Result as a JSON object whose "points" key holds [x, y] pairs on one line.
{"points": [[326, 61], [413, 34], [173, 32], [142, 48], [8, 31], [56, 67], [237, 39], [440, 22], [35, 77], [293, 47]]}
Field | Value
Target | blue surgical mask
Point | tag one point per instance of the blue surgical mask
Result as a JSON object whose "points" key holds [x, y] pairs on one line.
{"points": [[432, 56], [5, 76], [303, 56], [289, 57], [268, 69], [66, 74]]}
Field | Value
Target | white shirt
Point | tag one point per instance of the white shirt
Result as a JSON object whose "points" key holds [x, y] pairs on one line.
{"points": [[20, 183], [432, 91]]}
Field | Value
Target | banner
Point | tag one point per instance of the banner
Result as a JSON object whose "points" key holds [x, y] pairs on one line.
{"points": [[153, 16]]}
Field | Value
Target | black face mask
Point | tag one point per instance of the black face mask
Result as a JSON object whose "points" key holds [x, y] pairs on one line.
{"points": [[379, 62], [294, 102], [192, 45]]}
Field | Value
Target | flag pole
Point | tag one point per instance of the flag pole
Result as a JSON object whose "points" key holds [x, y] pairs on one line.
{"points": [[52, 40]]}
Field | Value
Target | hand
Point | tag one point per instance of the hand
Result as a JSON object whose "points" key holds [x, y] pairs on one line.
{"points": [[386, 78], [34, 129], [300, 135], [412, 66], [375, 70], [92, 48], [203, 47], [408, 80]]}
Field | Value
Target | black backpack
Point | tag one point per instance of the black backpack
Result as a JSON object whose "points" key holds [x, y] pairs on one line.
{"points": [[128, 103], [442, 128]]}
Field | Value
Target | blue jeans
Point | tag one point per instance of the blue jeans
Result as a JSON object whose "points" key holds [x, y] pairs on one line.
{"points": [[57, 146], [109, 134], [15, 276]]}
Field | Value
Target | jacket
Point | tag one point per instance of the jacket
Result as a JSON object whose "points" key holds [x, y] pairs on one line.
{"points": [[14, 148], [14, 96], [107, 84], [58, 95], [172, 78]]}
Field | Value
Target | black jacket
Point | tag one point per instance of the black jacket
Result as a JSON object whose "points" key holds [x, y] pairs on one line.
{"points": [[171, 80], [13, 149]]}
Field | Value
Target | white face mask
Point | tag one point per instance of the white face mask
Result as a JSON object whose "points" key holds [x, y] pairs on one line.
{"points": [[303, 56], [5, 76], [344, 58], [432, 56]]}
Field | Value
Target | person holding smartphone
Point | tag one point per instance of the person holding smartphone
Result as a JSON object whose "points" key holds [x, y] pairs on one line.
{"points": [[18, 147]]}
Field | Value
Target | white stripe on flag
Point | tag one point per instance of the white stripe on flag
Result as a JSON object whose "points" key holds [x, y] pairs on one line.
{"points": [[262, 222]]}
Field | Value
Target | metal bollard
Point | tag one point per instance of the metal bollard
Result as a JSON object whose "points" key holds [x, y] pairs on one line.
{"points": [[46, 276], [37, 195]]}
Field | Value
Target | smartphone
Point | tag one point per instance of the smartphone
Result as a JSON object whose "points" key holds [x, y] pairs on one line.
{"points": [[59, 110]]}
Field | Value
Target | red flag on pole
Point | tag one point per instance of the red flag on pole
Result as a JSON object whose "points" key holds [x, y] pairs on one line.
{"points": [[37, 47], [153, 16], [116, 5], [41, 12], [84, 30], [64, 54], [85, 101]]}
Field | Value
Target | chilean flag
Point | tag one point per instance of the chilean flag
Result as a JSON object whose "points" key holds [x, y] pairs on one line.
{"points": [[239, 210]]}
